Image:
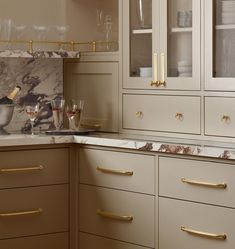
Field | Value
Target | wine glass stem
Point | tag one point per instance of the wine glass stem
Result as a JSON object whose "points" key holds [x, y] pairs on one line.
{"points": [[32, 129]]}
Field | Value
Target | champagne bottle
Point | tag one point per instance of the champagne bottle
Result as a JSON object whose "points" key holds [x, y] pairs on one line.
{"points": [[9, 98]]}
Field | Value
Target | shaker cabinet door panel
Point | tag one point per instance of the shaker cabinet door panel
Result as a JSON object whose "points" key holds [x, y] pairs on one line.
{"points": [[97, 84]]}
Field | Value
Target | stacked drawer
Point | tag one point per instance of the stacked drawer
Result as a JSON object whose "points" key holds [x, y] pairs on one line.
{"points": [[34, 199], [196, 204], [117, 200]]}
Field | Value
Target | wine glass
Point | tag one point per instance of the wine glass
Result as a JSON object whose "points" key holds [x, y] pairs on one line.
{"points": [[62, 30], [73, 112], [57, 110], [41, 35], [32, 111]]}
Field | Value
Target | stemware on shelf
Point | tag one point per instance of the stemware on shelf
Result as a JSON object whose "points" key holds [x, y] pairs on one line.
{"points": [[73, 111], [41, 35], [32, 110], [108, 29], [61, 32], [58, 110]]}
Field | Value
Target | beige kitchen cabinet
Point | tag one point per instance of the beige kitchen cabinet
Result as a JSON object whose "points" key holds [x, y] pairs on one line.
{"points": [[161, 44], [219, 45], [219, 116], [116, 209], [162, 113], [96, 82], [195, 204], [35, 194]]}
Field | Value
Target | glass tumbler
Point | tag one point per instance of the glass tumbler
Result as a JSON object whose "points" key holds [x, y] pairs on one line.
{"points": [[73, 111], [58, 110]]}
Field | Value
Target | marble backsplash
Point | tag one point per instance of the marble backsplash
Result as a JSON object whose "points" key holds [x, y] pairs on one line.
{"points": [[40, 80]]}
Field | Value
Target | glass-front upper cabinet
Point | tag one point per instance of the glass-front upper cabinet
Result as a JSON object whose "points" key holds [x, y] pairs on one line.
{"points": [[162, 44], [220, 45]]}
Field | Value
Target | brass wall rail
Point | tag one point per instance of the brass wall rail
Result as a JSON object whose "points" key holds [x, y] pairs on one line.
{"points": [[71, 44]]}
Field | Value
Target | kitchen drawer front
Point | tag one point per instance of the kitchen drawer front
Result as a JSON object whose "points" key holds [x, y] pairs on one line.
{"points": [[139, 231], [182, 178], [33, 167], [52, 201], [174, 214], [58, 241], [162, 113], [219, 116], [118, 170], [88, 241]]}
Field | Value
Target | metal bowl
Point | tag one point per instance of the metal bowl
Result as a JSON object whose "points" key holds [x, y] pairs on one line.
{"points": [[6, 113]]}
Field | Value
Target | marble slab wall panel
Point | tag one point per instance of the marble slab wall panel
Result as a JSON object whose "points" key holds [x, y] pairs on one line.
{"points": [[40, 80]]}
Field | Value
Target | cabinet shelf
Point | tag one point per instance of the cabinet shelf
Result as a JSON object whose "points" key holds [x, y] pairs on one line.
{"points": [[226, 26], [38, 54], [181, 30], [142, 31]]}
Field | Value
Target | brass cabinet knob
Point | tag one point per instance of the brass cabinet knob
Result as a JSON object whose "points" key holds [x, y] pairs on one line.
{"points": [[139, 115], [179, 116], [226, 119]]}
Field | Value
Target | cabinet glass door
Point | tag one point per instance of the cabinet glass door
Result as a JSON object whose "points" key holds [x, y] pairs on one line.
{"points": [[137, 56], [220, 45], [180, 44]]}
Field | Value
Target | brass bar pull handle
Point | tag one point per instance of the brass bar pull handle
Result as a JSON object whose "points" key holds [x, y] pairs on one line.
{"points": [[25, 169], [30, 212], [155, 81], [162, 81], [203, 234], [205, 184], [127, 218], [116, 172]]}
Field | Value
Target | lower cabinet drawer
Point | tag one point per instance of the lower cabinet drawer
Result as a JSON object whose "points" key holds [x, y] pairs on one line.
{"points": [[100, 168], [88, 241], [115, 214], [51, 241], [219, 116], [195, 180], [32, 211], [182, 222], [162, 113]]}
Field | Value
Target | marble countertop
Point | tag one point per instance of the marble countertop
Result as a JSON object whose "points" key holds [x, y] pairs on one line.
{"points": [[142, 143]]}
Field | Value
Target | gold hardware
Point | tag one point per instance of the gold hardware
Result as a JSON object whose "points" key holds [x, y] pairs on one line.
{"points": [[72, 45], [205, 184], [36, 211], [113, 171], [226, 119], [179, 116], [139, 115], [154, 83], [31, 46], [93, 46], [127, 218], [162, 81], [203, 234], [12, 170]]}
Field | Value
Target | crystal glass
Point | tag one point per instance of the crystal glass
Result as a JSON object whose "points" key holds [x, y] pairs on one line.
{"points": [[32, 111], [108, 30], [58, 110], [61, 31], [73, 111], [41, 36]]}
